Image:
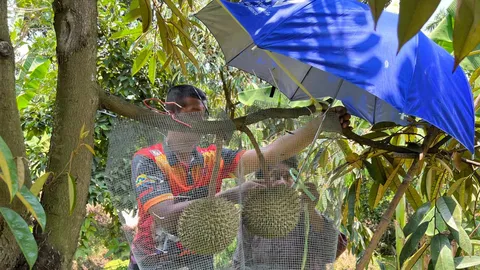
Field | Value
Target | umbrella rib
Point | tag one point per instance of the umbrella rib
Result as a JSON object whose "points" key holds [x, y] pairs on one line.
{"points": [[233, 58], [374, 109], [304, 77]]}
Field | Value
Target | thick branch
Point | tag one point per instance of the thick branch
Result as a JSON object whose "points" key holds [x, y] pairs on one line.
{"points": [[121, 107]]}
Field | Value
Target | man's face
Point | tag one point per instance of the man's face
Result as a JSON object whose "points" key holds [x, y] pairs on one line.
{"points": [[281, 175], [192, 110], [190, 105]]}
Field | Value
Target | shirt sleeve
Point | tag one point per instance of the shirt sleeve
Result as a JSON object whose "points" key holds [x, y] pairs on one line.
{"points": [[151, 185], [231, 159]]}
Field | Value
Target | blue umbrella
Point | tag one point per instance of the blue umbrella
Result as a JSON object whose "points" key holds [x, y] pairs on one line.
{"points": [[325, 48]]}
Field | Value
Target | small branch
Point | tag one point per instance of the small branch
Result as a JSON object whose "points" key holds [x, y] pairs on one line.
{"points": [[387, 216], [439, 144], [471, 162], [212, 186], [260, 155], [230, 108], [120, 106], [374, 144]]}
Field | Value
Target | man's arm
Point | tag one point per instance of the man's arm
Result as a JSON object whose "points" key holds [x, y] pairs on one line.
{"points": [[291, 144]]}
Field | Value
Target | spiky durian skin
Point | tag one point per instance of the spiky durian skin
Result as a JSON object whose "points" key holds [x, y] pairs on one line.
{"points": [[271, 212], [208, 226]]}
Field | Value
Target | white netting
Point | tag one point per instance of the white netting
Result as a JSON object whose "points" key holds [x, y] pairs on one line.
{"points": [[160, 175]]}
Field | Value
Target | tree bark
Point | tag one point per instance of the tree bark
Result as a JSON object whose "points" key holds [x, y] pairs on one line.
{"points": [[11, 132], [75, 106]]}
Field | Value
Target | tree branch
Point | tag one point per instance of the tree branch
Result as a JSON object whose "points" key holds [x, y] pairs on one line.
{"points": [[374, 144], [121, 107]]}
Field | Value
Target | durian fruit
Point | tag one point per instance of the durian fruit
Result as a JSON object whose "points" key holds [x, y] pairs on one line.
{"points": [[271, 212], [207, 226]]}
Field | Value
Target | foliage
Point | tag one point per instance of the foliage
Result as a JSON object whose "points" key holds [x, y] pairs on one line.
{"points": [[144, 47], [12, 173], [414, 14]]}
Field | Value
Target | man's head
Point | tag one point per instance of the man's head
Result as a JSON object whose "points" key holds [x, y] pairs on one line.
{"points": [[189, 97], [193, 107]]}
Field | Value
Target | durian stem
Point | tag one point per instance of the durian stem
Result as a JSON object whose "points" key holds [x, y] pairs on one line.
{"points": [[212, 186], [307, 232], [261, 158]]}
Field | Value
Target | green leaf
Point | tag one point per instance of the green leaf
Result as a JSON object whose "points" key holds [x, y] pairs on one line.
{"points": [[466, 32], [189, 55], [376, 171], [89, 148], [176, 11], [146, 14], [410, 262], [455, 185], [447, 215], [436, 224], [134, 4], [152, 68], [474, 76], [127, 32], [24, 99], [458, 233], [180, 60], [132, 15], [463, 239], [22, 234], [33, 205], [413, 15], [373, 195], [466, 262], [182, 32], [376, 7], [141, 60], [8, 168], [37, 186], [416, 218], [412, 242], [442, 257], [162, 29], [72, 192], [351, 201]]}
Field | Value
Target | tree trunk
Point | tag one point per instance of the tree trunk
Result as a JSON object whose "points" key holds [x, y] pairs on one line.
{"points": [[75, 106], [10, 131]]}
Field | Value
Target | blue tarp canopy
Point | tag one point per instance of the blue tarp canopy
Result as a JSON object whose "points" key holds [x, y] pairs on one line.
{"points": [[331, 47]]}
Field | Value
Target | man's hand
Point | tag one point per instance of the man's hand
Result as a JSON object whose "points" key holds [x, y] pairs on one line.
{"points": [[233, 194], [249, 185], [343, 115]]}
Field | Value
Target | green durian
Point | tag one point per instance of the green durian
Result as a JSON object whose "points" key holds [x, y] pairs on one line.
{"points": [[207, 226], [271, 212]]}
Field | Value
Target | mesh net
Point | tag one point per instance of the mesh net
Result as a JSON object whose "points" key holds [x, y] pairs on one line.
{"points": [[192, 194]]}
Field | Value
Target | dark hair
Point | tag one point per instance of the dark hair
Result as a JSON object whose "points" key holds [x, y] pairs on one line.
{"points": [[178, 93]]}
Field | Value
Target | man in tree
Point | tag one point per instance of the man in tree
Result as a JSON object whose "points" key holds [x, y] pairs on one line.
{"points": [[170, 176], [325, 242]]}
